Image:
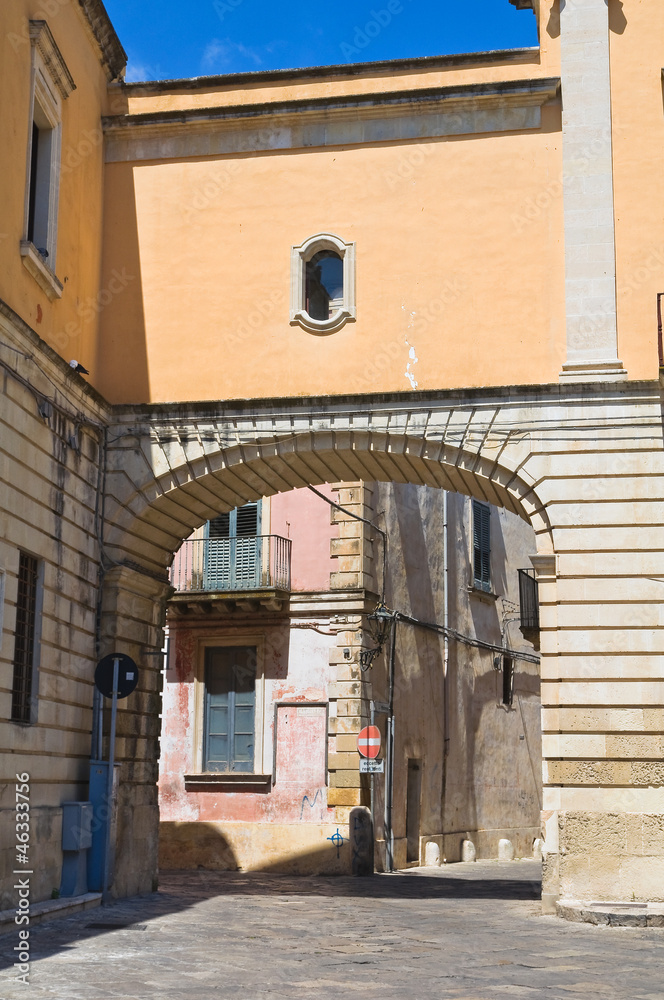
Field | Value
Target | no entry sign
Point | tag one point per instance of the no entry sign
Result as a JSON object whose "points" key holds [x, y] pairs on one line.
{"points": [[368, 742]]}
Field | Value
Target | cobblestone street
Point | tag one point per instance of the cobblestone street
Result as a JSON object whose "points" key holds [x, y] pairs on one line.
{"points": [[467, 931]]}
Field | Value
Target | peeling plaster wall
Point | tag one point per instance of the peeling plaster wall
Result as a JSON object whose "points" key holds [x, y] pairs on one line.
{"points": [[296, 669], [494, 768], [490, 786]]}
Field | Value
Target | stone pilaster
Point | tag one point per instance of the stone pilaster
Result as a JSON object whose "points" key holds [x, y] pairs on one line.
{"points": [[590, 265], [133, 615]]}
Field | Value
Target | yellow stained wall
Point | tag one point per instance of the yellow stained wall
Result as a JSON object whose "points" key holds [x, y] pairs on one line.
{"points": [[447, 264], [460, 276], [69, 324], [637, 31]]}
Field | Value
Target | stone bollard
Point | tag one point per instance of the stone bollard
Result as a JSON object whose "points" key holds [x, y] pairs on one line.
{"points": [[361, 841], [505, 850], [468, 852], [431, 854]]}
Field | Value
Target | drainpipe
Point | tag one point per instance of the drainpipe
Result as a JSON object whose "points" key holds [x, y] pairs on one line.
{"points": [[100, 506], [446, 661]]}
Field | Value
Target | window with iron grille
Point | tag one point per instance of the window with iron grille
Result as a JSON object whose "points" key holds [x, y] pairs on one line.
{"points": [[482, 545], [25, 641], [528, 600]]}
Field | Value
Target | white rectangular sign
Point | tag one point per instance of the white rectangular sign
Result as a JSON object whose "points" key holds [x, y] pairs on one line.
{"points": [[371, 766]]}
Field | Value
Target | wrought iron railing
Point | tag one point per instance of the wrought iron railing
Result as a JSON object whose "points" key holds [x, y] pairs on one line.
{"points": [[245, 562], [528, 599]]}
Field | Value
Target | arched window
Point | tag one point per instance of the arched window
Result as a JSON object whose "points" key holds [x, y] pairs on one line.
{"points": [[323, 283]]}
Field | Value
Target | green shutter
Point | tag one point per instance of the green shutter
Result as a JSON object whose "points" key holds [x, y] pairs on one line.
{"points": [[481, 545], [230, 704], [233, 552]]}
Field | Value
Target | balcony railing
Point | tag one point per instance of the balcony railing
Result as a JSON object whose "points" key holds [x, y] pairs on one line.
{"points": [[245, 562]]}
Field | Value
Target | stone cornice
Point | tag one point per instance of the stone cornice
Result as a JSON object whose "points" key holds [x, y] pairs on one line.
{"points": [[113, 55], [42, 39], [523, 92], [177, 413], [349, 120]]}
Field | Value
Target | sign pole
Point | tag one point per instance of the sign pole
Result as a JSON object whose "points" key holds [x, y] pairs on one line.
{"points": [[109, 788], [389, 755]]}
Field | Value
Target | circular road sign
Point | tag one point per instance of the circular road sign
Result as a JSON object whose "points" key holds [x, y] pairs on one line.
{"points": [[368, 742], [127, 675]]}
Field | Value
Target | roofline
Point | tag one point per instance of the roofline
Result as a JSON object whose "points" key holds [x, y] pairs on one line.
{"points": [[537, 90], [113, 55], [336, 69]]}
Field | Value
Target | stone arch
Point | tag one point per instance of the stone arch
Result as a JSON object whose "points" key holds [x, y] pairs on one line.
{"points": [[148, 523], [585, 467], [170, 476]]}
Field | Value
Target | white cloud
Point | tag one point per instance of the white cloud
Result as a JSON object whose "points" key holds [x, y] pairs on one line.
{"points": [[222, 53], [139, 72]]}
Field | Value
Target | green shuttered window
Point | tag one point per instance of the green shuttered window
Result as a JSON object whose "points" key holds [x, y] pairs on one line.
{"points": [[482, 545], [230, 702], [233, 550]]}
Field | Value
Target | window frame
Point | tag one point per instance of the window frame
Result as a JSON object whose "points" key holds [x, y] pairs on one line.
{"points": [[481, 524], [300, 257], [507, 681], [27, 713], [51, 84], [258, 642]]}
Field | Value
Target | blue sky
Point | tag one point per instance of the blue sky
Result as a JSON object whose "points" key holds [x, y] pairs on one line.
{"points": [[168, 39]]}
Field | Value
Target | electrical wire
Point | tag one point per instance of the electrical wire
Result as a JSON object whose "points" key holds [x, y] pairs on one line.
{"points": [[466, 640]]}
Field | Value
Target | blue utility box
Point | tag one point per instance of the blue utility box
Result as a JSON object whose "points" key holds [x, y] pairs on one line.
{"points": [[76, 842]]}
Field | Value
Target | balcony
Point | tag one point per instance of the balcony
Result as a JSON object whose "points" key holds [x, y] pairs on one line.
{"points": [[224, 575]]}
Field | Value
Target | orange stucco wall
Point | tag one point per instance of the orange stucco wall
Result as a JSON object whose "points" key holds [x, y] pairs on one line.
{"points": [[68, 324], [444, 266], [638, 141]]}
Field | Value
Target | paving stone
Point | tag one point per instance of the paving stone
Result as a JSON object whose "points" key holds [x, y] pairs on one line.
{"points": [[461, 932]]}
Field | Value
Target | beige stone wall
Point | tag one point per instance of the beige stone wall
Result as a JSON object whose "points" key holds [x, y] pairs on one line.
{"points": [[349, 699], [49, 509]]}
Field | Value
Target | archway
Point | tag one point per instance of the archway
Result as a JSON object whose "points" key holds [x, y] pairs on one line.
{"points": [[195, 477], [586, 471]]}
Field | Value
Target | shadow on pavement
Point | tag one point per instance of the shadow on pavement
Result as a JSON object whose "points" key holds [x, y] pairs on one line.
{"points": [[180, 890]]}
